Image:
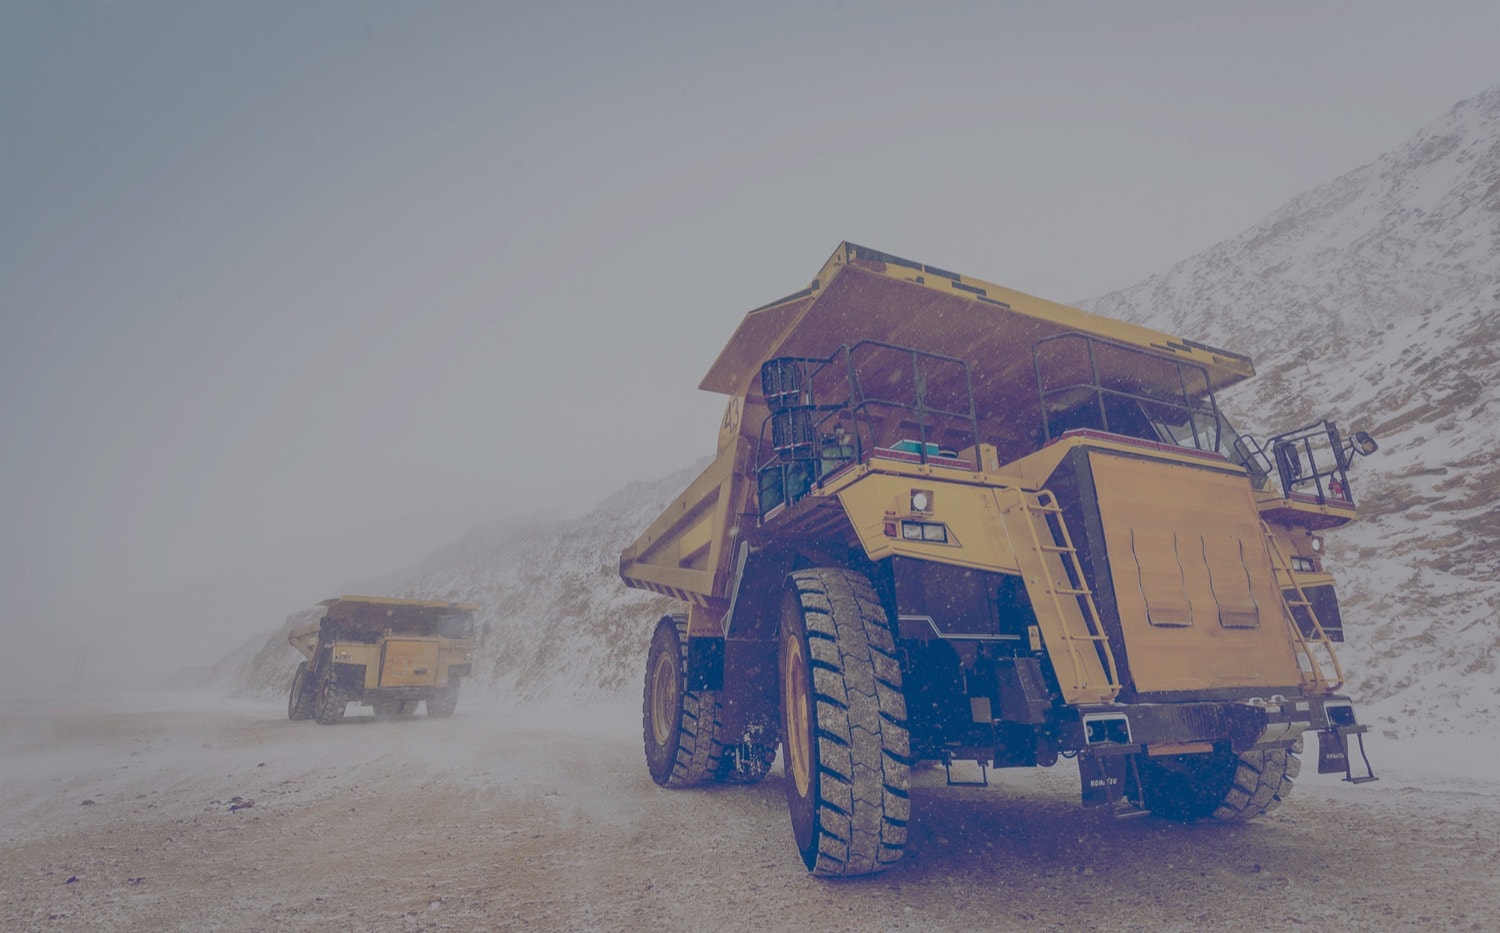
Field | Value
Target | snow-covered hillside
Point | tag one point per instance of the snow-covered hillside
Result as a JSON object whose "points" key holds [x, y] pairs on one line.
{"points": [[1372, 300], [1375, 300], [563, 626]]}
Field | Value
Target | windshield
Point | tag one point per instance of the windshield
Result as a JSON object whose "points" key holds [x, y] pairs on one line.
{"points": [[460, 626], [1200, 427], [1203, 428]]}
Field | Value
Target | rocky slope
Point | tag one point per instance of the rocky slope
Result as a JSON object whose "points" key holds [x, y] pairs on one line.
{"points": [[562, 624], [1372, 300], [1375, 300]]}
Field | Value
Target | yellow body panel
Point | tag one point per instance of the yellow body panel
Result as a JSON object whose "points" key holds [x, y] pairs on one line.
{"points": [[1198, 601], [409, 662], [969, 510], [995, 525], [406, 662], [686, 552]]}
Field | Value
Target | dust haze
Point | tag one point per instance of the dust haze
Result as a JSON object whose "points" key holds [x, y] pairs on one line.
{"points": [[292, 295]]}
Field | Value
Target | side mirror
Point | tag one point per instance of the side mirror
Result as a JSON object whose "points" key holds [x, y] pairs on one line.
{"points": [[1288, 462], [1364, 444]]}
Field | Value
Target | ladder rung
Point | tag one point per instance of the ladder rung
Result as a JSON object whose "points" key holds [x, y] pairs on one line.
{"points": [[1071, 591], [1057, 548]]}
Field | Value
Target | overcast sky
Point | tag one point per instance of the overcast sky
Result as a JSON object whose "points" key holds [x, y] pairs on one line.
{"points": [[292, 293]]}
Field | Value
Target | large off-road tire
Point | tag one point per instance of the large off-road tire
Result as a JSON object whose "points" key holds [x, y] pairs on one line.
{"points": [[299, 702], [443, 705], [331, 699], [677, 724], [846, 749], [1219, 785]]}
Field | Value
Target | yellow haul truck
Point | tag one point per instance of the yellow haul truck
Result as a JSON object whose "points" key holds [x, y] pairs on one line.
{"points": [[952, 522], [388, 653]]}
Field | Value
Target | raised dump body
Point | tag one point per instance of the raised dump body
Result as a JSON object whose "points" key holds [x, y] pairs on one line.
{"points": [[388, 653], [949, 521]]}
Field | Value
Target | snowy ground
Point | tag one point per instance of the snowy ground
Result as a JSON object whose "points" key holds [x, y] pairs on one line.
{"points": [[174, 813]]}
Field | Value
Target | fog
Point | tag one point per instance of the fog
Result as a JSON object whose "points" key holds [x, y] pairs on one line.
{"points": [[292, 294]]}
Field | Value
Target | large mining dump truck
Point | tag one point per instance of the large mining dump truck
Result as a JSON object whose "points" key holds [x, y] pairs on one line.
{"points": [[390, 654], [950, 522]]}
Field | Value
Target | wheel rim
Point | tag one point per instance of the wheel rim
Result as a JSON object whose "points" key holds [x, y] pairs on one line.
{"points": [[798, 738], [664, 689]]}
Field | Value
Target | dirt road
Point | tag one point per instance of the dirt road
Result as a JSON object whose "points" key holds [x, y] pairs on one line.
{"points": [[165, 814]]}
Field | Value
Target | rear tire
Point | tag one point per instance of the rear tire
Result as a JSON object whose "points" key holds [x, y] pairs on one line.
{"points": [[677, 724], [331, 699], [1220, 785], [299, 703], [846, 750], [443, 705]]}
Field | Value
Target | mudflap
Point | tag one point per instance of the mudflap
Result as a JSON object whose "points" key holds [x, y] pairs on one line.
{"points": [[1334, 757], [1106, 780]]}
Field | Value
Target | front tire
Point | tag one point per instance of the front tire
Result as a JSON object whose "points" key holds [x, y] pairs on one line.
{"points": [[677, 724], [846, 749], [299, 703], [331, 699]]}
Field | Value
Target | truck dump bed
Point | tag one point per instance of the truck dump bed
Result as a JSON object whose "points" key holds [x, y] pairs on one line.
{"points": [[861, 295]]}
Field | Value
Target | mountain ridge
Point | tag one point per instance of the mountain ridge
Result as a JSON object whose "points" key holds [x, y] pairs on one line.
{"points": [[1370, 299], [1375, 299]]}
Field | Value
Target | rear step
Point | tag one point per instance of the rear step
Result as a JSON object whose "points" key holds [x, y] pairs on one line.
{"points": [[1333, 753], [984, 774]]}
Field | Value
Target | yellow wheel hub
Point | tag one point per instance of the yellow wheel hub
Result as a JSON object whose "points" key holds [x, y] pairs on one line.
{"points": [[664, 698], [798, 717]]}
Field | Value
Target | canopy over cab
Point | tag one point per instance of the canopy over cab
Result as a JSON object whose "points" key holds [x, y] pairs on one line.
{"points": [[366, 618], [1024, 356]]}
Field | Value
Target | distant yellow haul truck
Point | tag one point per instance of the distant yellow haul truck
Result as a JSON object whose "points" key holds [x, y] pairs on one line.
{"points": [[388, 653], [950, 521]]}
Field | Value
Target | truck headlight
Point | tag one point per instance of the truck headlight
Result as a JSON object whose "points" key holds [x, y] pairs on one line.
{"points": [[931, 532]]}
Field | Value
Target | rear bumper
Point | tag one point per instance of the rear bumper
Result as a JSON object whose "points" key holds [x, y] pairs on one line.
{"points": [[370, 694], [357, 679], [1167, 728]]}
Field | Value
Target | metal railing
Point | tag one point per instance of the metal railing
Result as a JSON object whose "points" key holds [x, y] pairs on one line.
{"points": [[826, 413]]}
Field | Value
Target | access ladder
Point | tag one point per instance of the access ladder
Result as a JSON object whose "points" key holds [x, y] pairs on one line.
{"points": [[1060, 597]]}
